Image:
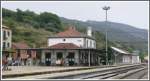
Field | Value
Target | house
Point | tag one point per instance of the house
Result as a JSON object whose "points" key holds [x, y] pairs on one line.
{"points": [[124, 57], [69, 47], [6, 37], [121, 56], [20, 55], [6, 43]]}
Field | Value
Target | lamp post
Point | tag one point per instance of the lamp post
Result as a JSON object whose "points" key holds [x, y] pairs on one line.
{"points": [[106, 8]]}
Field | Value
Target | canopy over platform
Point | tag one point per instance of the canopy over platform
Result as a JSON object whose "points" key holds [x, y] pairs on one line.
{"points": [[120, 50]]}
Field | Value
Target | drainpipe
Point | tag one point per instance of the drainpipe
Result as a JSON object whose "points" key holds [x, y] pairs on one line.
{"points": [[89, 58]]}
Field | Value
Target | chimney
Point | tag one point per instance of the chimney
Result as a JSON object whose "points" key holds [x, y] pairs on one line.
{"points": [[89, 31], [71, 28]]}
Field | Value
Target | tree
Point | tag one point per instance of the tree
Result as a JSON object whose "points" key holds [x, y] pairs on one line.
{"points": [[49, 20], [19, 15], [8, 13]]}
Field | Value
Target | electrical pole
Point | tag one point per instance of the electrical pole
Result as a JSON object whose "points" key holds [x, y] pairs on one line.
{"points": [[106, 8]]}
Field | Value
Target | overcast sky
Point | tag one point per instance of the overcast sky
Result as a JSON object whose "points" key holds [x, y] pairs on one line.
{"points": [[135, 13]]}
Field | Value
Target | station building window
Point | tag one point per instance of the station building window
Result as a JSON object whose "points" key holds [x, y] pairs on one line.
{"points": [[64, 39], [8, 33], [8, 45]]}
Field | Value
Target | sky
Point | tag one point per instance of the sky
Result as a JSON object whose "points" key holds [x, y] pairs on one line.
{"points": [[134, 13]]}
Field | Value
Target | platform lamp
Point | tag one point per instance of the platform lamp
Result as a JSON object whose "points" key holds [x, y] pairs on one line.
{"points": [[106, 8]]}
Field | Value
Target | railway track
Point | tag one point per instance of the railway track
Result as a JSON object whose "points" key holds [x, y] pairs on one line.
{"points": [[104, 74], [116, 74], [111, 72]]}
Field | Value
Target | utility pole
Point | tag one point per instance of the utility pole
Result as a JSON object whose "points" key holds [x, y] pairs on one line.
{"points": [[106, 8], [89, 59]]}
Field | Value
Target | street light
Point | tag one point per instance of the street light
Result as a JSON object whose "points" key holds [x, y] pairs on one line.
{"points": [[106, 8]]}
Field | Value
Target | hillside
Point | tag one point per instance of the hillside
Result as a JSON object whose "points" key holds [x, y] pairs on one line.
{"points": [[118, 33], [122, 30], [30, 27], [33, 29]]}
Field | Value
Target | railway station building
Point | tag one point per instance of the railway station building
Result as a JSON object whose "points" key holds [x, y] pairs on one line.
{"points": [[67, 48], [124, 57]]}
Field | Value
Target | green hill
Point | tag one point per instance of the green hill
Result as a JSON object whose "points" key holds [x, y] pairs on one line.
{"points": [[122, 35], [33, 29], [30, 27]]}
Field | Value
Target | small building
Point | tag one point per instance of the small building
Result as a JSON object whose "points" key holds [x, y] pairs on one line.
{"points": [[125, 57], [121, 56], [21, 55]]}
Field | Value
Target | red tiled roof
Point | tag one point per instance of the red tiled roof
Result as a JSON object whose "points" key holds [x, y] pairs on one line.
{"points": [[64, 46], [20, 45], [70, 32]]}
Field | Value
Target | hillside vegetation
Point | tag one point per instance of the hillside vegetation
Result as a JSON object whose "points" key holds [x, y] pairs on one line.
{"points": [[33, 29], [30, 27], [120, 35]]}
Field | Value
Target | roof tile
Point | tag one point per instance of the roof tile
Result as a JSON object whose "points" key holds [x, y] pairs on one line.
{"points": [[64, 46], [20, 45], [70, 32]]}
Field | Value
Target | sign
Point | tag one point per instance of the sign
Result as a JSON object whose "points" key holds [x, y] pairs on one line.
{"points": [[33, 54], [23, 54]]}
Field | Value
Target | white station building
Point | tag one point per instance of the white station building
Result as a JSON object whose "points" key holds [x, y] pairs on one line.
{"points": [[69, 47]]}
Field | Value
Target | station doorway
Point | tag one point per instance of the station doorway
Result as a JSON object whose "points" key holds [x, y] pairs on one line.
{"points": [[48, 59]]}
